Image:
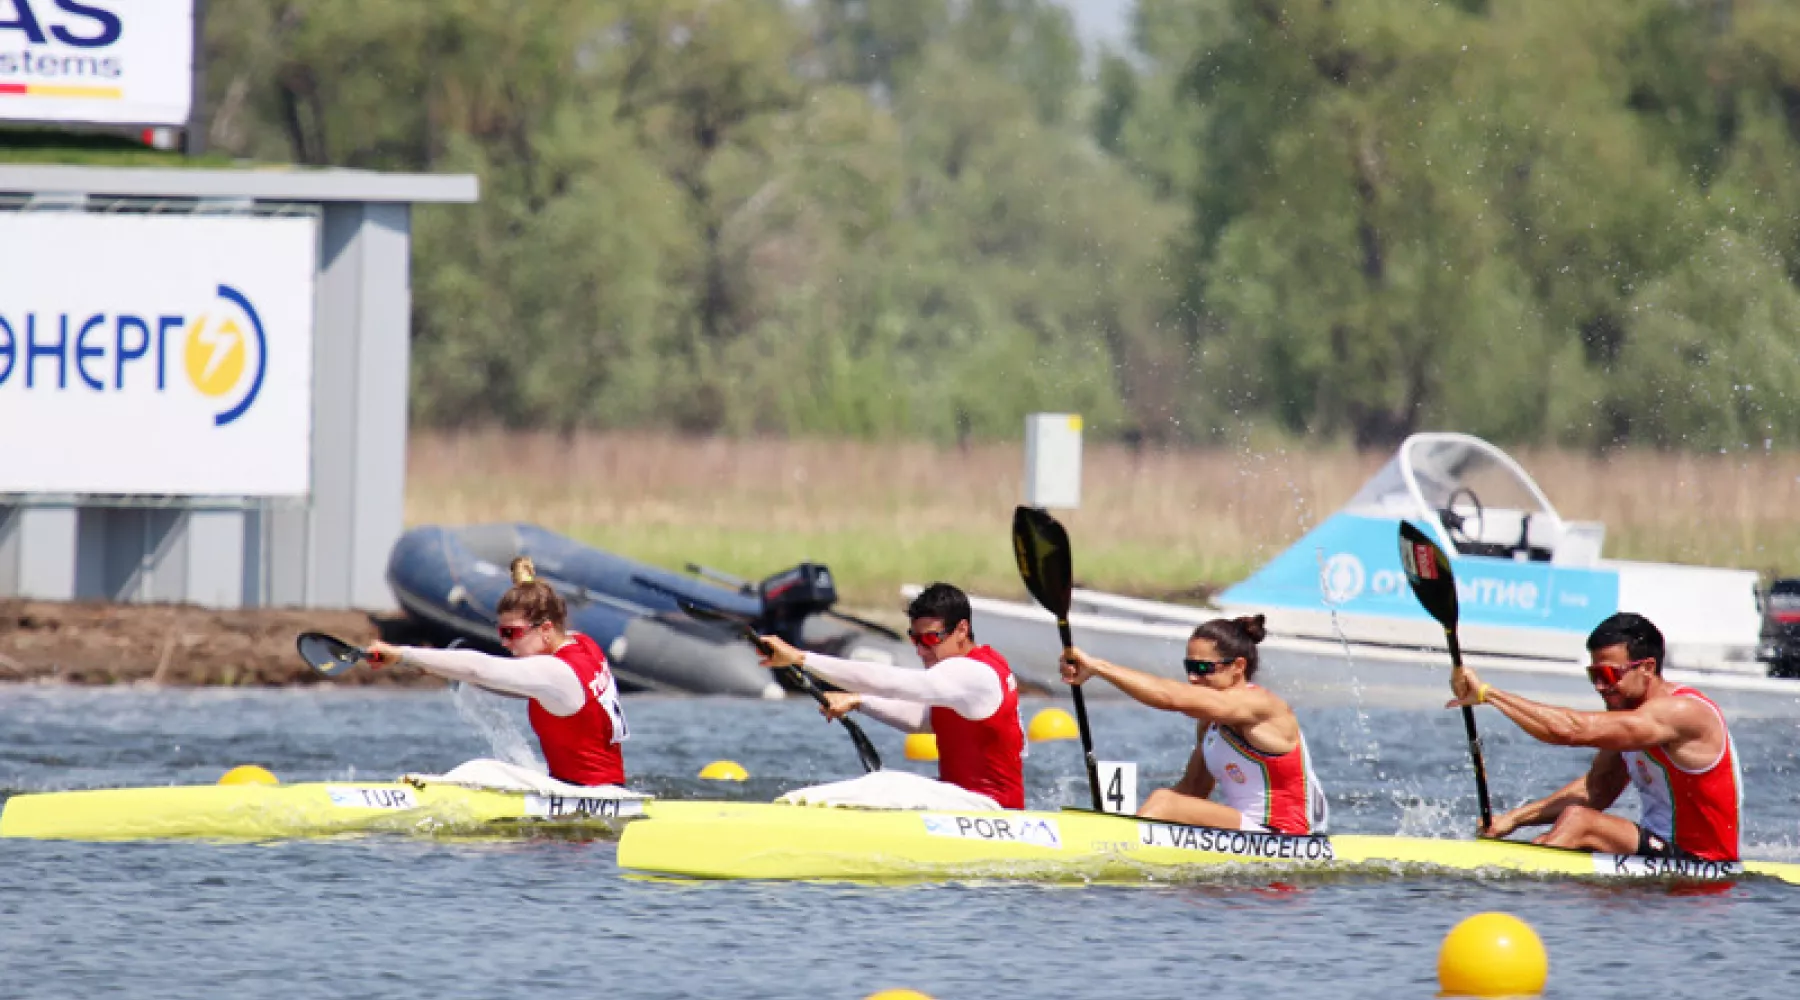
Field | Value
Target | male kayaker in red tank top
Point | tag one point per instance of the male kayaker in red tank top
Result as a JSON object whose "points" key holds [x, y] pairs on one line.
{"points": [[967, 695], [575, 708], [1670, 741]]}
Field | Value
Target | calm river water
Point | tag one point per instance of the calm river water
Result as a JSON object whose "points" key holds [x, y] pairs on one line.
{"points": [[394, 917]]}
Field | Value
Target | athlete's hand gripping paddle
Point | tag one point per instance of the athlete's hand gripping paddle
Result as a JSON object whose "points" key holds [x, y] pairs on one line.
{"points": [[1428, 571], [865, 750], [1047, 566]]}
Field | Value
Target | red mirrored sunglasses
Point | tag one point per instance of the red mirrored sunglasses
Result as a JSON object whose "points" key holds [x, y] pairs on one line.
{"points": [[512, 633], [1610, 674], [928, 639]]}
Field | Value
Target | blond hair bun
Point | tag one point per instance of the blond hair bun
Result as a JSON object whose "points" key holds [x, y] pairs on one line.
{"points": [[523, 571]]}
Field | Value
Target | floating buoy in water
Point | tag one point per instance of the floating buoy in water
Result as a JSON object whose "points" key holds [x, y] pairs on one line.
{"points": [[1492, 955], [921, 746], [1053, 724], [248, 774], [724, 770], [899, 994]]}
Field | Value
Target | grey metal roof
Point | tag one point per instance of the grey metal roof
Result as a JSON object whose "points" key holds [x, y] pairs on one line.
{"points": [[267, 184]]}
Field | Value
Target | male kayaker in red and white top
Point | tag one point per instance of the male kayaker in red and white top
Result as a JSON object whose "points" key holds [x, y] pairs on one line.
{"points": [[1668, 740], [1249, 748], [575, 708], [966, 695]]}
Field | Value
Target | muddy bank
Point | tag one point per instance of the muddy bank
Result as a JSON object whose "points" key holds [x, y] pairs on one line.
{"points": [[82, 643]]}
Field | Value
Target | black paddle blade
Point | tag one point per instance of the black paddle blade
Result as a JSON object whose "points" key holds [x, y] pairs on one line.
{"points": [[1042, 548], [1428, 571], [327, 654]]}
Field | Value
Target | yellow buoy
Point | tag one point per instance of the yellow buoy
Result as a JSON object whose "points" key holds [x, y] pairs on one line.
{"points": [[1053, 724], [921, 746], [899, 994], [1492, 955], [724, 770], [248, 774]]}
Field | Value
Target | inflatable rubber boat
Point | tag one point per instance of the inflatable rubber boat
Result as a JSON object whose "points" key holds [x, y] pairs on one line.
{"points": [[450, 580]]}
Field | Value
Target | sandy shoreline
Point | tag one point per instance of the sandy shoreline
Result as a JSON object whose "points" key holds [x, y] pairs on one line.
{"points": [[179, 645]]}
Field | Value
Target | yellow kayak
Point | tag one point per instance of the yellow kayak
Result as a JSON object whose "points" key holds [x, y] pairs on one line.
{"points": [[775, 841], [310, 809]]}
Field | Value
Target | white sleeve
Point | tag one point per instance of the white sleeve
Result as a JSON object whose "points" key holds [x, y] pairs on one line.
{"points": [[968, 687], [546, 680], [906, 716]]}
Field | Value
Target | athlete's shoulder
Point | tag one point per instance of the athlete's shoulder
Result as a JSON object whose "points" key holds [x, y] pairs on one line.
{"points": [[1689, 711]]}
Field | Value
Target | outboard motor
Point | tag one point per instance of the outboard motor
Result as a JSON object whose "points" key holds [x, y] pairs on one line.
{"points": [[791, 596], [1780, 646]]}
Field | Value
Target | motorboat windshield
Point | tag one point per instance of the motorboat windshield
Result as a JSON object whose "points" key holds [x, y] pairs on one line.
{"points": [[1473, 495]]}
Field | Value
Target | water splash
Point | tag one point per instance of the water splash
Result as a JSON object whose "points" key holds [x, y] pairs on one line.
{"points": [[1424, 817], [1371, 748], [489, 715]]}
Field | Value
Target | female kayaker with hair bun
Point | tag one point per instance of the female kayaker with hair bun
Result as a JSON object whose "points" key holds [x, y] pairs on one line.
{"points": [[1250, 746], [575, 708]]}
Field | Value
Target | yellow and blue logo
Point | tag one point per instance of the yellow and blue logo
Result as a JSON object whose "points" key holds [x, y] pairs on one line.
{"points": [[220, 346], [223, 350]]}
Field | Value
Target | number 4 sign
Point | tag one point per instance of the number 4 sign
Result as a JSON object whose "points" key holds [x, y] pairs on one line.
{"points": [[1118, 786]]}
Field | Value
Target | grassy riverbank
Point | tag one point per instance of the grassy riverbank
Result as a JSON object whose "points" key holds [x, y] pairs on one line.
{"points": [[1151, 522]]}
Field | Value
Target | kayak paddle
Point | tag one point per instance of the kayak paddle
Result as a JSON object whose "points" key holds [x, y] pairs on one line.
{"points": [[865, 750], [328, 654], [1428, 571], [1046, 565]]}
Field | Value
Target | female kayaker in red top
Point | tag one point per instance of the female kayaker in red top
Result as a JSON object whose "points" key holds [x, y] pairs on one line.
{"points": [[1668, 740], [1250, 747], [575, 708], [966, 694]]}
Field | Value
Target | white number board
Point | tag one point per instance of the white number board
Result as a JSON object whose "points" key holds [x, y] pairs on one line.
{"points": [[1118, 787]]}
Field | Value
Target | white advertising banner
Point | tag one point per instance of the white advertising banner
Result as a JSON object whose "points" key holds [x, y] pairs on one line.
{"points": [[160, 355], [119, 62]]}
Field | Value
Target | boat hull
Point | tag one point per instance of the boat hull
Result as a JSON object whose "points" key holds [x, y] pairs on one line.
{"points": [[735, 840], [311, 809]]}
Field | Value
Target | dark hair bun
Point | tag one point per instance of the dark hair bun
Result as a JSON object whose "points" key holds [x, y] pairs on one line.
{"points": [[1253, 627], [523, 571]]}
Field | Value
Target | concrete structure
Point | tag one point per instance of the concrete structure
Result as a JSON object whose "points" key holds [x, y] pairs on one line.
{"points": [[327, 551]]}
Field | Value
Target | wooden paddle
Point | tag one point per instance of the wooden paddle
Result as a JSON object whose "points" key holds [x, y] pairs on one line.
{"points": [[1428, 571], [1047, 566], [865, 750]]}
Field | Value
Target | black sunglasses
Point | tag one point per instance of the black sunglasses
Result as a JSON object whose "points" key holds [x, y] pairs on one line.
{"points": [[1200, 668]]}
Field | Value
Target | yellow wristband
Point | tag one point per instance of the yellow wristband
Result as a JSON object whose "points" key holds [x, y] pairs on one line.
{"points": [[1481, 695]]}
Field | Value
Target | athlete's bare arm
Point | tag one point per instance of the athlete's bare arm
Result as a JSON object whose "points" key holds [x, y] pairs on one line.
{"points": [[1598, 789], [1684, 725], [1657, 722], [1196, 781], [1240, 708]]}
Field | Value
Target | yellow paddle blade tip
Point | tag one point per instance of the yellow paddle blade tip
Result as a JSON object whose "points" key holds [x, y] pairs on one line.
{"points": [[248, 774], [724, 770]]}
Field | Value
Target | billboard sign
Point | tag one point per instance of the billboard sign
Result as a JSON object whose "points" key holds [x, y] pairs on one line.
{"points": [[161, 355], [114, 62]]}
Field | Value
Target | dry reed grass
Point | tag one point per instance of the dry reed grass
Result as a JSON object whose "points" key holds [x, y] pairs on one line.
{"points": [[1151, 522]]}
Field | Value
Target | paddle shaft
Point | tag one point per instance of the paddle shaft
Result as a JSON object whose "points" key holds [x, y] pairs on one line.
{"points": [[1468, 714], [1081, 722], [865, 751]]}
